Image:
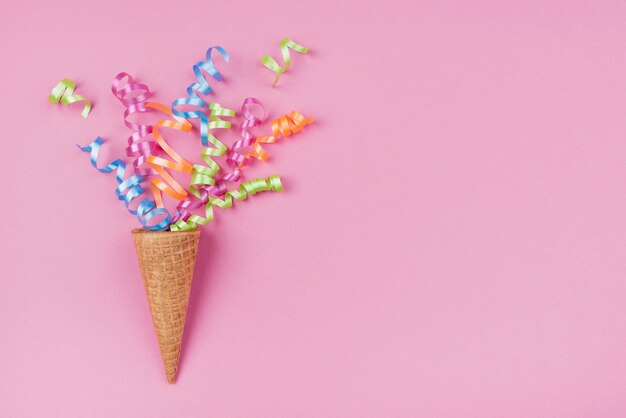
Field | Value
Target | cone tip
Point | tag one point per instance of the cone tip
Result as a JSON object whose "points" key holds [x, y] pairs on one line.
{"points": [[171, 375]]}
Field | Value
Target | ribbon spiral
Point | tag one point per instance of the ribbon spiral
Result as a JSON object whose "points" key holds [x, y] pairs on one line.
{"points": [[129, 189], [200, 87], [248, 188], [237, 159], [159, 164], [140, 144], [285, 126], [271, 63], [203, 176], [134, 97], [64, 92]]}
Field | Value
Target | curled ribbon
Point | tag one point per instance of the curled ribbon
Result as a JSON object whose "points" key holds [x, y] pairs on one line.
{"points": [[248, 188], [285, 126], [134, 97], [64, 92], [159, 164], [200, 87], [129, 189], [271, 63], [236, 159], [205, 175], [140, 144]]}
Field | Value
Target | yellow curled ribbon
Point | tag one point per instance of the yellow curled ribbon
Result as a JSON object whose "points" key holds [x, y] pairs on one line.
{"points": [[248, 188], [271, 63], [64, 92], [166, 183], [285, 126]]}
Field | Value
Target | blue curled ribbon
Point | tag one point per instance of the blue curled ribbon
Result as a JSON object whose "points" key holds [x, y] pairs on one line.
{"points": [[201, 87], [129, 189]]}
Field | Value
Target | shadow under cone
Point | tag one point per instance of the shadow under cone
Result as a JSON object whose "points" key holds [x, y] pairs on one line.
{"points": [[167, 261]]}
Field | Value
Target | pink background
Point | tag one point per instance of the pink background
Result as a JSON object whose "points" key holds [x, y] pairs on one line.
{"points": [[450, 241]]}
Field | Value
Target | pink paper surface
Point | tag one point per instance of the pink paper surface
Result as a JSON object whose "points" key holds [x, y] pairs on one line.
{"points": [[450, 241]]}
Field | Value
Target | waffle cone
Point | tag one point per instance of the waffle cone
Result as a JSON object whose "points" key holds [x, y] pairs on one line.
{"points": [[167, 260]]}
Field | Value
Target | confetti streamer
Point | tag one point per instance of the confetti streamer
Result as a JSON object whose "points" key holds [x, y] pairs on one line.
{"points": [[129, 189], [271, 63], [150, 150], [140, 144], [166, 183], [134, 97], [245, 189], [64, 92], [200, 87], [236, 159], [285, 126], [205, 175]]}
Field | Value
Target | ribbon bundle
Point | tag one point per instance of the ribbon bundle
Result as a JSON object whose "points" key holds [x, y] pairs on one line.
{"points": [[153, 156], [204, 182], [206, 186]]}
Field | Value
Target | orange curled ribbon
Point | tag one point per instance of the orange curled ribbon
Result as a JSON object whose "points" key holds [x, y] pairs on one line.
{"points": [[166, 183], [285, 126]]}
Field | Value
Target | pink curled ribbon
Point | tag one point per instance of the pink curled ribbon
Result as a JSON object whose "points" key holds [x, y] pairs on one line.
{"points": [[236, 159], [134, 97]]}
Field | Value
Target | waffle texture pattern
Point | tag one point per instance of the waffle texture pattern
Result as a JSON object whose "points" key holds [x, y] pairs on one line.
{"points": [[167, 261]]}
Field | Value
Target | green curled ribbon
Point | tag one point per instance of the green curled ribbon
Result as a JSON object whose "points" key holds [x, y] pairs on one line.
{"points": [[64, 92], [248, 188], [205, 175], [271, 63]]}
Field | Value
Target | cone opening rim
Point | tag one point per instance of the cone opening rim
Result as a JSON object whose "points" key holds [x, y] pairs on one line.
{"points": [[145, 231]]}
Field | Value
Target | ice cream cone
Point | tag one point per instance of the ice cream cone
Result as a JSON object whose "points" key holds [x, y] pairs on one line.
{"points": [[167, 261]]}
